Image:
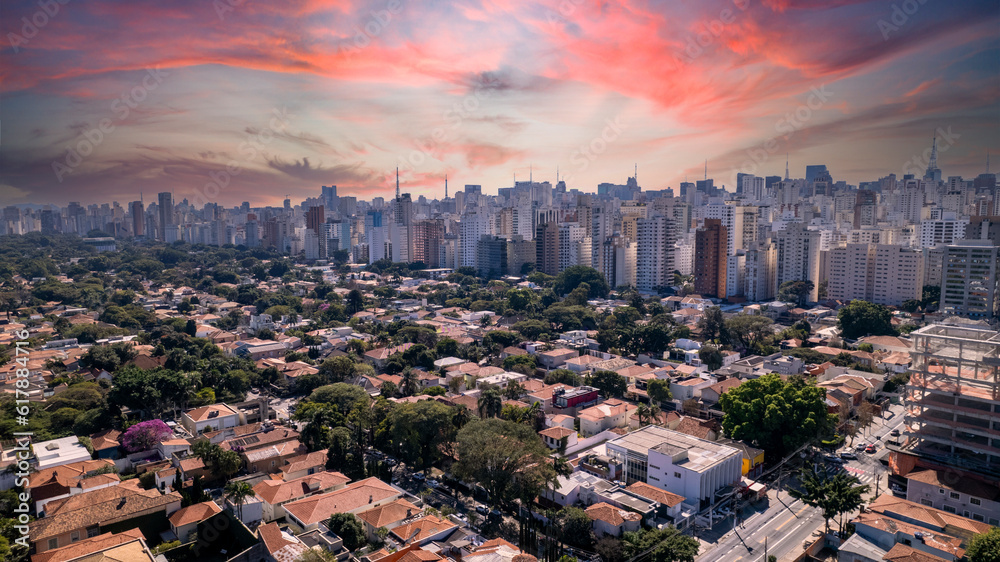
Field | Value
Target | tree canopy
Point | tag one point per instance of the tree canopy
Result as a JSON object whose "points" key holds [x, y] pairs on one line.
{"points": [[571, 277], [862, 318]]}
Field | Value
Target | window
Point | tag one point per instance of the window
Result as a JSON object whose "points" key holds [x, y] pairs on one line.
{"points": [[654, 478], [74, 536], [93, 531], [955, 495], [977, 517], [949, 508], [941, 491], [927, 502], [975, 501], [653, 466], [677, 475], [53, 543]]}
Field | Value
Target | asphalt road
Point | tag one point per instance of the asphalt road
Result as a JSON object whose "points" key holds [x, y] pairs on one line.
{"points": [[787, 523]]}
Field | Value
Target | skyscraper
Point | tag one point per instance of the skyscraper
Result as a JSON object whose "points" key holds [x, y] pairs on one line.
{"points": [[138, 219], [798, 256], [547, 248], [970, 277], [710, 259], [655, 239], [165, 204]]}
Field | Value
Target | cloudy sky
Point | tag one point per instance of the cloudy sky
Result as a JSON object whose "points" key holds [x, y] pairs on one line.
{"points": [[250, 100]]}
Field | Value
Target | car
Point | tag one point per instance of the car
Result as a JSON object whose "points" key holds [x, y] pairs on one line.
{"points": [[860, 447], [833, 459], [870, 449], [419, 476], [391, 462], [461, 517], [847, 455], [894, 433], [482, 510], [433, 483]]}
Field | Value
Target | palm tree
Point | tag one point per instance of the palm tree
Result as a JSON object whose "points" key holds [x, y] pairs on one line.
{"points": [[490, 403], [409, 383], [642, 413], [238, 492], [460, 417]]}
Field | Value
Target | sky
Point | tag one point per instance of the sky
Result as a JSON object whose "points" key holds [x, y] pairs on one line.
{"points": [[252, 100]]}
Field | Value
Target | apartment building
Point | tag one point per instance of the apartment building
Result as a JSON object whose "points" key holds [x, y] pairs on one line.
{"points": [[970, 280]]}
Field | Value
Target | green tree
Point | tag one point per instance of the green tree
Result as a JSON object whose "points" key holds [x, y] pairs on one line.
{"points": [[610, 383], [571, 277], [421, 429], [834, 495], [659, 391], [348, 527], [862, 318], [710, 356], [795, 291], [774, 415], [985, 547], [337, 369], [490, 403], [562, 376], [239, 492], [531, 329], [575, 527], [500, 339], [711, 323], [747, 332]]}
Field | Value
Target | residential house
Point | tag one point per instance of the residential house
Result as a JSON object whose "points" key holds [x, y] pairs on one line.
{"points": [[670, 503], [210, 418], [712, 393], [65, 480], [85, 515], [423, 530], [954, 492], [389, 515], [274, 493], [279, 545], [304, 465], [559, 437], [184, 522], [127, 545], [56, 452], [308, 512], [606, 415], [556, 358], [613, 521]]}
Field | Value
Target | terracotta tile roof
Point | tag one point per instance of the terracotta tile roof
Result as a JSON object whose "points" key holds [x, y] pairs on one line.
{"points": [[696, 427], [191, 463], [936, 518], [66, 475], [274, 451], [423, 528], [194, 513], [103, 507], [412, 553], [201, 414], [89, 546], [546, 393], [970, 486], [557, 432], [355, 496], [884, 523], [902, 553], [720, 388], [261, 439], [305, 462], [386, 514], [281, 491], [611, 514], [282, 547], [105, 439], [647, 491]]}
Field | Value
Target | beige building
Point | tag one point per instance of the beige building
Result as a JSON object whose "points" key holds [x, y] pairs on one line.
{"points": [[879, 273]]}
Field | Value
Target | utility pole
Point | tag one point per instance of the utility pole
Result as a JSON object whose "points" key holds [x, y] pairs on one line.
{"points": [[765, 548]]}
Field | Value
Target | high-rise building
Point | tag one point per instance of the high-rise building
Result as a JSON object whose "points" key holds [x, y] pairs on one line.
{"points": [[471, 228], [547, 248], [570, 235], [815, 171], [761, 277], [798, 256], [138, 219], [984, 228], [655, 239], [945, 230], [970, 277], [427, 236], [865, 208], [710, 259], [165, 206]]}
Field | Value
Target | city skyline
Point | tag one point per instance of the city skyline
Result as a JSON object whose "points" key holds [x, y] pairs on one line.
{"points": [[268, 100]]}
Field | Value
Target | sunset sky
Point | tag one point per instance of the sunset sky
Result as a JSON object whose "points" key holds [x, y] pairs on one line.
{"points": [[280, 97]]}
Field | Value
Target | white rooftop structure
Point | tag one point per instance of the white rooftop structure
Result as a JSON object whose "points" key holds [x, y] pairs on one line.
{"points": [[58, 452]]}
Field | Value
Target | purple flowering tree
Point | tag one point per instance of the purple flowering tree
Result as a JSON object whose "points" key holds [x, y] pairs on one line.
{"points": [[143, 436]]}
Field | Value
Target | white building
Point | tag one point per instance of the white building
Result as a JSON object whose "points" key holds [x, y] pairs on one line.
{"points": [[655, 250], [679, 463], [798, 256]]}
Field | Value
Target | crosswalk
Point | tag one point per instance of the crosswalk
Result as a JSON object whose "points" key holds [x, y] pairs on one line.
{"points": [[865, 476]]}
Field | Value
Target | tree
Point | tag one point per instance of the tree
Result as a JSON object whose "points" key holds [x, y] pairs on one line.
{"points": [[500, 339], [575, 527], [348, 527], [658, 391], [508, 459], [571, 277], [834, 495], [609, 549], [985, 547], [490, 403], [862, 318], [239, 492], [562, 376], [531, 329], [665, 545], [337, 369], [865, 414], [514, 391], [711, 323], [388, 389], [774, 415], [795, 291], [710, 356], [146, 435], [610, 383], [421, 429], [355, 302], [747, 331]]}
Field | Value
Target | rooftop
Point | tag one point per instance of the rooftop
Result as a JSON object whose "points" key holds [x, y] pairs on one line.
{"points": [[701, 454]]}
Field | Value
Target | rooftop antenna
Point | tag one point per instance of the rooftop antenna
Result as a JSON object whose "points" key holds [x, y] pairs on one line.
{"points": [[987, 166], [706, 168], [635, 176], [786, 166], [446, 186], [529, 173], [397, 182]]}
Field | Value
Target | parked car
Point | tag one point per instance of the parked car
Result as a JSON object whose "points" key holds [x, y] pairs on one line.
{"points": [[482, 510], [870, 449], [833, 459], [433, 483], [860, 447], [894, 433], [419, 476], [848, 455]]}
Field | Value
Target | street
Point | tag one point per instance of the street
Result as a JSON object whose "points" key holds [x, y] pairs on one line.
{"points": [[787, 523]]}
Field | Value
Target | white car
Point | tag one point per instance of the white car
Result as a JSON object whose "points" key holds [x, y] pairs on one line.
{"points": [[433, 483]]}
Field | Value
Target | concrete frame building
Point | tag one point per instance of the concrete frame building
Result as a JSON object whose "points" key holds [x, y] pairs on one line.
{"points": [[970, 280]]}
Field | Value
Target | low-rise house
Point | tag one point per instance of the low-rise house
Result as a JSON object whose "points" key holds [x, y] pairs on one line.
{"points": [[72, 519], [271, 458], [304, 465], [559, 437], [555, 358], [500, 380], [686, 388], [390, 516], [307, 513], [712, 393], [378, 357], [274, 494], [954, 492], [184, 522], [58, 452], [127, 545], [582, 363], [708, 430], [210, 418], [783, 364], [106, 443], [670, 503], [65, 480], [613, 521], [279, 545], [609, 414], [421, 531]]}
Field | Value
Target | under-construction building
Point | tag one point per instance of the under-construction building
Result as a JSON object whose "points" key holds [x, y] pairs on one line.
{"points": [[952, 401]]}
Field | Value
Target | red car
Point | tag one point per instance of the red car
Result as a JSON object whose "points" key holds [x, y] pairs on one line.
{"points": [[870, 449]]}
